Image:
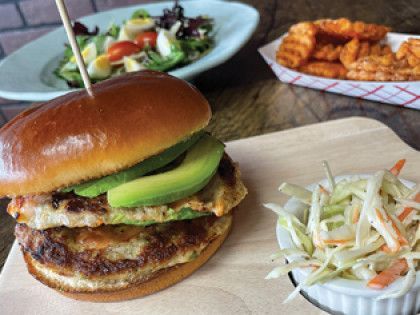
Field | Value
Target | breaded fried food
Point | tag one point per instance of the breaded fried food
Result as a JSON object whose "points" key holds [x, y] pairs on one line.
{"points": [[345, 49], [374, 63], [297, 46], [356, 49], [362, 75], [326, 69], [382, 68], [412, 72], [350, 52], [344, 29], [327, 52], [378, 49], [410, 50]]}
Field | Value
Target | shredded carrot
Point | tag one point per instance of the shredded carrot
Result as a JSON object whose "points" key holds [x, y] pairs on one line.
{"points": [[407, 210], [323, 190], [396, 169], [335, 242], [379, 214], [385, 249], [356, 215], [394, 227], [313, 267], [405, 213], [403, 241], [389, 275]]}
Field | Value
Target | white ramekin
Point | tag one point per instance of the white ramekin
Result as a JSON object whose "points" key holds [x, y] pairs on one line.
{"points": [[352, 297]]}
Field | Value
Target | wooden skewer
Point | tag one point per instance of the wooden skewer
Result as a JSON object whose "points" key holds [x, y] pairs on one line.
{"points": [[73, 43]]}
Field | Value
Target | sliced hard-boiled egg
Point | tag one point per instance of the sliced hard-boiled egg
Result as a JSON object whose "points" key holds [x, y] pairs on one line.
{"points": [[123, 34], [69, 66], [89, 53], [137, 56], [131, 65], [164, 42], [109, 40], [100, 68], [136, 26], [175, 28]]}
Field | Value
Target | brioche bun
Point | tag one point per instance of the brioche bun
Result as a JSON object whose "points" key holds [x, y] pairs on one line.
{"points": [[75, 137]]}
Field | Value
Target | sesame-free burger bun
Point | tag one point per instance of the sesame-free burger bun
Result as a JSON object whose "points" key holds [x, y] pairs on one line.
{"points": [[75, 137]]}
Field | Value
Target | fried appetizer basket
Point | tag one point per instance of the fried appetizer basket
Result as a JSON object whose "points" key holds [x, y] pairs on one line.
{"points": [[400, 93]]}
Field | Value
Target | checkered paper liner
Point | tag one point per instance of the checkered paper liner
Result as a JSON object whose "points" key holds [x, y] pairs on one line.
{"points": [[403, 93]]}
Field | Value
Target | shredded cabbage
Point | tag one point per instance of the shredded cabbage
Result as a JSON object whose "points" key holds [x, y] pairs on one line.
{"points": [[284, 269], [314, 211], [290, 252], [409, 203], [296, 191], [372, 192], [328, 173]]}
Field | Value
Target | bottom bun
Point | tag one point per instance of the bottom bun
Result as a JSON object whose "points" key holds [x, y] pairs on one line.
{"points": [[161, 280]]}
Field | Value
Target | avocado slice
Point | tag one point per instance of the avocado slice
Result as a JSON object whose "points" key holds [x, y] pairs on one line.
{"points": [[183, 214], [96, 187], [195, 171]]}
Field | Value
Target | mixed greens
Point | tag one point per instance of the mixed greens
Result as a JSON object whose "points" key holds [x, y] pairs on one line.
{"points": [[357, 228], [143, 41]]}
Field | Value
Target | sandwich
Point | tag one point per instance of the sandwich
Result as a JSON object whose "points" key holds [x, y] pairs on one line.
{"points": [[118, 195]]}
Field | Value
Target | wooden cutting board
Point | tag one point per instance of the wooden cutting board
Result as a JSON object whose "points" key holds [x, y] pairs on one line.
{"points": [[232, 281]]}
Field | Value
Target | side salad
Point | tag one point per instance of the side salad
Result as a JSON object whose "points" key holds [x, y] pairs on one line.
{"points": [[143, 41], [356, 228]]}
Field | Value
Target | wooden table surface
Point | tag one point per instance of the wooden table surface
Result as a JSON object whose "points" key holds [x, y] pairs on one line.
{"points": [[247, 99]]}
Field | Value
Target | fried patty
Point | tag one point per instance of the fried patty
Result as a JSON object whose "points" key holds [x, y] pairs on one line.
{"points": [[115, 257], [222, 193]]}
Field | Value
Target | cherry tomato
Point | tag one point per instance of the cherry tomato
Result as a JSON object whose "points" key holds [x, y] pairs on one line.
{"points": [[146, 38], [120, 49]]}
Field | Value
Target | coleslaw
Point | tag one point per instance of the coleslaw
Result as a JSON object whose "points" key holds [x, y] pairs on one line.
{"points": [[357, 228]]}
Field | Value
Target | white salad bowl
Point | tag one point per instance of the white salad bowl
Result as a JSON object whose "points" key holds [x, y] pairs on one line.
{"points": [[343, 296], [27, 74]]}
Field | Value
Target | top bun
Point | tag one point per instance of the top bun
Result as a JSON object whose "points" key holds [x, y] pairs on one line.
{"points": [[75, 137]]}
